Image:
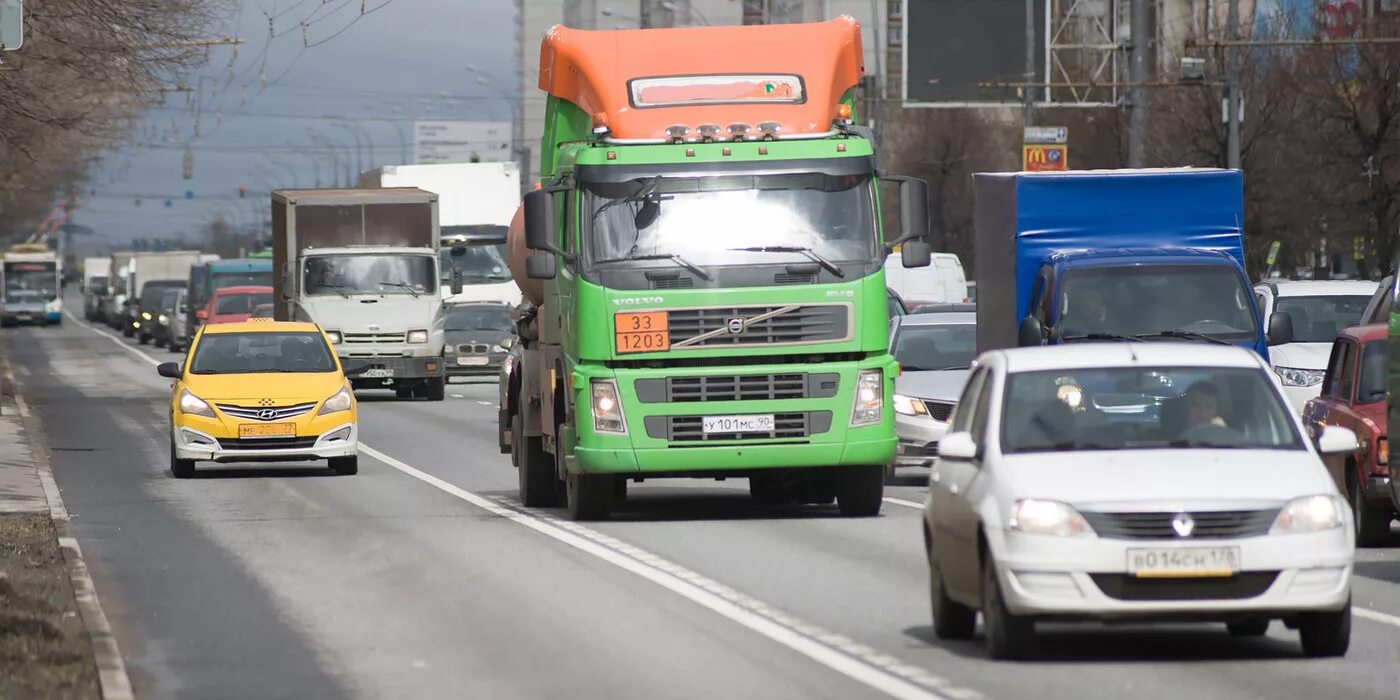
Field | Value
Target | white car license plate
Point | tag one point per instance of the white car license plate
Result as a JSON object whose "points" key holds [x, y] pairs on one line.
{"points": [[24, 317], [377, 373], [737, 424], [1183, 562], [473, 361]]}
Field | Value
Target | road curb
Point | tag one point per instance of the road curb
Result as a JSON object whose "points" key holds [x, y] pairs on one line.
{"points": [[112, 679]]}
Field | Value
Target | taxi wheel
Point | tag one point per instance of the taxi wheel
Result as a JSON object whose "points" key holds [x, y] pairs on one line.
{"points": [[1008, 636], [861, 491], [1325, 633], [180, 468], [345, 466]]}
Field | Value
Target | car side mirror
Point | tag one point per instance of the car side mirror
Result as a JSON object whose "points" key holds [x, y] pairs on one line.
{"points": [[170, 370], [202, 315], [541, 265], [1280, 328], [958, 445], [1334, 440], [1030, 333], [915, 253], [539, 220], [456, 283], [356, 371]]}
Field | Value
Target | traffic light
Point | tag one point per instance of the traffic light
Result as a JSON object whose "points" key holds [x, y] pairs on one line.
{"points": [[242, 192]]}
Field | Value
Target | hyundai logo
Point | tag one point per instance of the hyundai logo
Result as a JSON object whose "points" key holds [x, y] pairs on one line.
{"points": [[267, 414], [1184, 525], [735, 326]]}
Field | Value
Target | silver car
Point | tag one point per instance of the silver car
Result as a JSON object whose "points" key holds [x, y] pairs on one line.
{"points": [[935, 352]]}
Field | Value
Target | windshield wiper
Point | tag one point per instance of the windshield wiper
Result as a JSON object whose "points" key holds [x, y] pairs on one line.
{"points": [[1187, 335], [1102, 336], [808, 252], [699, 271], [645, 188], [403, 285], [339, 289]]}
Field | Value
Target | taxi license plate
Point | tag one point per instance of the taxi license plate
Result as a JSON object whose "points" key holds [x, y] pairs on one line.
{"points": [[644, 331], [737, 424], [257, 430], [377, 373], [1184, 562], [473, 361]]}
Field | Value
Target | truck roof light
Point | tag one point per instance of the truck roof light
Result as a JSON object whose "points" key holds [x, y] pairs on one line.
{"points": [[738, 131], [843, 113], [770, 129], [677, 131], [600, 124], [708, 131]]}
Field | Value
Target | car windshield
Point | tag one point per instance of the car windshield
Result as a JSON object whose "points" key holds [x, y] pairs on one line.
{"points": [[242, 353], [1319, 319], [169, 300], [477, 263], [153, 292], [263, 311], [1370, 386], [478, 318], [944, 346], [1146, 300], [370, 274], [224, 280], [1144, 408], [31, 279], [241, 303], [704, 220]]}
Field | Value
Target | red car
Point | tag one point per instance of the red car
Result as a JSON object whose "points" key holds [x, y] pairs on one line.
{"points": [[1353, 396], [234, 304]]}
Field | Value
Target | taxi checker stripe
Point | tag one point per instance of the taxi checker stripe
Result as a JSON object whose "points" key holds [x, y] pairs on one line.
{"points": [[725, 329]]}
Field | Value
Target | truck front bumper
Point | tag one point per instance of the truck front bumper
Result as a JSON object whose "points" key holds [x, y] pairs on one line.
{"points": [[390, 368]]}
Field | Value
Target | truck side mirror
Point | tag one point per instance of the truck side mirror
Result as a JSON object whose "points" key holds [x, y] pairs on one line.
{"points": [[541, 265], [1030, 333], [288, 278], [456, 282], [913, 209], [915, 253], [1280, 328], [539, 221]]}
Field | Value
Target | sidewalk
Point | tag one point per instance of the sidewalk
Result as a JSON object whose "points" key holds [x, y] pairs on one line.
{"points": [[21, 491]]}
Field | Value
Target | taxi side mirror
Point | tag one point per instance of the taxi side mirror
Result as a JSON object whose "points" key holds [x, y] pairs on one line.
{"points": [[169, 370]]}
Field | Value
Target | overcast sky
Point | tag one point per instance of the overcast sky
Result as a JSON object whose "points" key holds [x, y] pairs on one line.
{"points": [[396, 62]]}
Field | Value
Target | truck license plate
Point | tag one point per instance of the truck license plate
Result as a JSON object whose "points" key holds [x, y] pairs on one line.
{"points": [[737, 424], [257, 430], [645, 331], [377, 373], [473, 361], [1185, 562]]}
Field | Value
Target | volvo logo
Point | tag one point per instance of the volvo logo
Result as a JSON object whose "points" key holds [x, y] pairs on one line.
{"points": [[735, 326], [1184, 525], [267, 414]]}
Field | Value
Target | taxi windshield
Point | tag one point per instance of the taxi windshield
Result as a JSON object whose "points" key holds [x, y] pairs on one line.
{"points": [[244, 353]]}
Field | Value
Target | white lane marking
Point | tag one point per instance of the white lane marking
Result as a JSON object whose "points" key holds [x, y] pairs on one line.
{"points": [[485, 403], [113, 338], [458, 396], [902, 502], [840, 654], [1376, 616]]}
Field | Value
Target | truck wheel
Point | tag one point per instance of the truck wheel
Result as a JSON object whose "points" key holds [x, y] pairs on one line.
{"points": [[535, 468], [861, 491], [769, 490], [404, 392], [620, 489], [1325, 633], [180, 468], [345, 466], [590, 496], [1372, 523], [436, 390]]}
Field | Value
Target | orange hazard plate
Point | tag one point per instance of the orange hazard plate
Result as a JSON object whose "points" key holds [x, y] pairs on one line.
{"points": [[256, 430], [645, 331]]}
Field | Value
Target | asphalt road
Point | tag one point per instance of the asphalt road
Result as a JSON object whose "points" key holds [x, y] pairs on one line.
{"points": [[423, 577]]}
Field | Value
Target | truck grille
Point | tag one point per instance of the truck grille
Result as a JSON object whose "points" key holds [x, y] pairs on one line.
{"points": [[939, 410], [687, 429], [743, 387], [789, 324], [266, 413], [367, 338], [1248, 584], [1216, 524]]}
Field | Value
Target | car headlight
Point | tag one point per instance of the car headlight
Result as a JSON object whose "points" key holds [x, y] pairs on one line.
{"points": [[1308, 514], [146, 315], [417, 336], [1293, 376], [909, 406], [498, 348], [334, 337], [340, 401], [1036, 517], [164, 319], [194, 406], [870, 397], [607, 409]]}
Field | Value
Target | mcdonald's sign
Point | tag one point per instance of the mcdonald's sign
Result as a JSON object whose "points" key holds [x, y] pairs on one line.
{"points": [[1037, 157]]}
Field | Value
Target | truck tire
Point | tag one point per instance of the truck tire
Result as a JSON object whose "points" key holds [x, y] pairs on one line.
{"points": [[861, 491], [345, 466], [404, 392], [769, 490], [436, 390], [535, 468], [590, 496]]}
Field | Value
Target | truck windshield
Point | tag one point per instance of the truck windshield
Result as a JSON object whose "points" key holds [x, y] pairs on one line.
{"points": [[706, 220], [1144, 408], [1150, 300], [369, 274], [477, 263], [251, 278], [1319, 319], [31, 279], [239, 353]]}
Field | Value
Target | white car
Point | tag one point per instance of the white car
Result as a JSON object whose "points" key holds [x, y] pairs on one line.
{"points": [[1315, 311], [1135, 481]]}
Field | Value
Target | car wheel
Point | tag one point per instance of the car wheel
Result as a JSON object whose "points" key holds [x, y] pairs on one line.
{"points": [[1326, 633], [891, 476], [180, 468], [861, 491], [589, 496], [1250, 627], [436, 390], [769, 490], [1008, 636], [345, 466], [535, 468], [1372, 524], [951, 620], [143, 339]]}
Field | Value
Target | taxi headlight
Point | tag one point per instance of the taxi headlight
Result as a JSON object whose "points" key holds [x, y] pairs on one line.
{"points": [[1036, 517], [194, 406], [341, 401], [1308, 514], [909, 406], [417, 336]]}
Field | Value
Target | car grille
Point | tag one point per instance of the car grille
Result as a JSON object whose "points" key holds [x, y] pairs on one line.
{"points": [[916, 451], [939, 410], [796, 424], [272, 443], [368, 338], [474, 348], [800, 324], [742, 387], [1158, 526], [1248, 584], [273, 412]]}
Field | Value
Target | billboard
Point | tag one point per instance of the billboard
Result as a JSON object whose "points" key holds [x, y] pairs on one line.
{"points": [[437, 141], [952, 46]]}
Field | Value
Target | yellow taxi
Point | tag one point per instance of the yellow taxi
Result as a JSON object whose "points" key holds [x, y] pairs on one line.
{"points": [[261, 391]]}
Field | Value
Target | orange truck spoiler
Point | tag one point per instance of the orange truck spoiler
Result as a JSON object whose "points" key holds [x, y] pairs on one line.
{"points": [[746, 82]]}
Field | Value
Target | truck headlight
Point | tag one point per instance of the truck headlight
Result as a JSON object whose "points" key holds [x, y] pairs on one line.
{"points": [[1036, 517], [870, 397], [334, 337], [339, 401], [607, 409], [1308, 514], [909, 406], [194, 406], [417, 336], [1293, 376]]}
